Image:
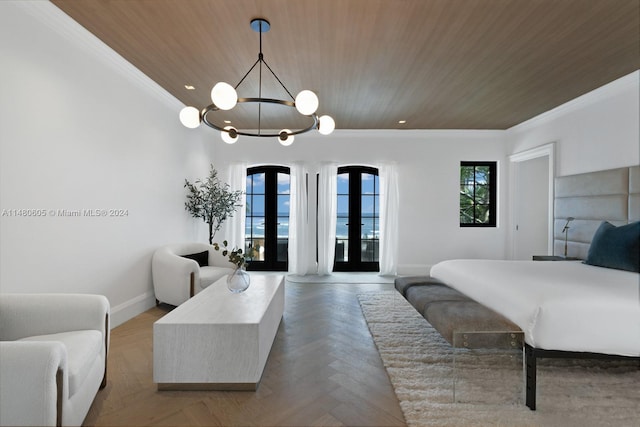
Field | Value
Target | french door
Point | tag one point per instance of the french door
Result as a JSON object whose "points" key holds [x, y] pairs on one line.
{"points": [[267, 217], [358, 219]]}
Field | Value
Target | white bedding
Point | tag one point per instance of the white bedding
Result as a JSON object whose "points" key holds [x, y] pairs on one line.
{"points": [[560, 305]]}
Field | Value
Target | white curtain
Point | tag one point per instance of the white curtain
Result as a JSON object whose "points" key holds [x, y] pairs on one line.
{"points": [[299, 242], [389, 206], [234, 226], [327, 206]]}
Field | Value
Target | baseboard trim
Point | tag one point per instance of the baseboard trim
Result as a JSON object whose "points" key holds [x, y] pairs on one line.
{"points": [[129, 309]]}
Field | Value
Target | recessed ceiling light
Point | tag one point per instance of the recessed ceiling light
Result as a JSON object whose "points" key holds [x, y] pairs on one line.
{"points": [[402, 122], [189, 87], [227, 121]]}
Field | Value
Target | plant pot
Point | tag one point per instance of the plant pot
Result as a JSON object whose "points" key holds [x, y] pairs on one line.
{"points": [[238, 281]]}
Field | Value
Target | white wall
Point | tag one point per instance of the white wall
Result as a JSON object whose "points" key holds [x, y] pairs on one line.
{"points": [[80, 128], [599, 130], [428, 165]]}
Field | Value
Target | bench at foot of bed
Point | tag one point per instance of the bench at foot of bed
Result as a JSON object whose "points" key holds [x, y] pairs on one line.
{"points": [[452, 313], [449, 311]]}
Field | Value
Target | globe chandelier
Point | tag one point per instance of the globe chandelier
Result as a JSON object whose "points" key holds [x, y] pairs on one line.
{"points": [[225, 97]]}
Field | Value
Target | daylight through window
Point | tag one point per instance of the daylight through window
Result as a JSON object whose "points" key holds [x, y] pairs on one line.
{"points": [[478, 194]]}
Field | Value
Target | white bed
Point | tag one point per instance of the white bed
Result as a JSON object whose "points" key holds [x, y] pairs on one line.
{"points": [[566, 306], [569, 309]]}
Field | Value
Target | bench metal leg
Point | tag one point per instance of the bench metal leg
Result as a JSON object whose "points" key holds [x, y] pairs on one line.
{"points": [[530, 376]]}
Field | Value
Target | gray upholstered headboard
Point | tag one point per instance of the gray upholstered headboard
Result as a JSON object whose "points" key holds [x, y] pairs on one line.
{"points": [[611, 195]]}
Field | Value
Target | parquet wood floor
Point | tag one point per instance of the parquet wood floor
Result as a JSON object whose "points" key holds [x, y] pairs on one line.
{"points": [[323, 370]]}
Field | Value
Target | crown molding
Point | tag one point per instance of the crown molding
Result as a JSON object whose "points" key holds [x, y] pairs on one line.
{"points": [[407, 134], [621, 85], [55, 19]]}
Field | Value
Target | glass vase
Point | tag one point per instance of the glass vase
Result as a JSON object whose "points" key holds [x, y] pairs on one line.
{"points": [[238, 281]]}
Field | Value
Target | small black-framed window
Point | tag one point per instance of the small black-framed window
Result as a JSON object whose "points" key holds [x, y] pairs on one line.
{"points": [[478, 194]]}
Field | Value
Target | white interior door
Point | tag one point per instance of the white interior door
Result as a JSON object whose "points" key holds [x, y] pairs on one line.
{"points": [[531, 236]]}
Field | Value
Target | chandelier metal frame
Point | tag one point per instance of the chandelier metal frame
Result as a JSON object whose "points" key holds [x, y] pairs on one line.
{"points": [[260, 26]]}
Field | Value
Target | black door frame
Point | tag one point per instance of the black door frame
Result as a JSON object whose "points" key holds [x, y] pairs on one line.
{"points": [[270, 262], [355, 262]]}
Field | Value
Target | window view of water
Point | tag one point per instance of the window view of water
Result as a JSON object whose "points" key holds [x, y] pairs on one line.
{"points": [[257, 232], [369, 228], [267, 214]]}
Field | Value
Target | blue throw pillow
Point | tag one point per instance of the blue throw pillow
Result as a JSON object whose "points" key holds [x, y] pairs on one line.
{"points": [[616, 247], [202, 258]]}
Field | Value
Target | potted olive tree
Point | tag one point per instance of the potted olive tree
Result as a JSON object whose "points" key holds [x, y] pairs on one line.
{"points": [[211, 200]]}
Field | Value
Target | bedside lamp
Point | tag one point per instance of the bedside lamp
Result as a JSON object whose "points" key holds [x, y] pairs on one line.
{"points": [[565, 230]]}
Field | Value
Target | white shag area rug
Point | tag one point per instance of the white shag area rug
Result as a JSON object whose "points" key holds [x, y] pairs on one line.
{"points": [[489, 390]]}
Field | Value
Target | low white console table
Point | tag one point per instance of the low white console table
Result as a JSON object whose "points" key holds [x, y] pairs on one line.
{"points": [[219, 340]]}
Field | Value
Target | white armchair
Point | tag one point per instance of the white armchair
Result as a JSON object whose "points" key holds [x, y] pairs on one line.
{"points": [[176, 279], [53, 357]]}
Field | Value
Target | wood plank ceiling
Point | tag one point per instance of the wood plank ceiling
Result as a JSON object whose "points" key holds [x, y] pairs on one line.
{"points": [[438, 64]]}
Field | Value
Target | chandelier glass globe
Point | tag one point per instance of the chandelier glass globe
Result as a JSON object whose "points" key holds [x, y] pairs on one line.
{"points": [[190, 117], [306, 102], [229, 135], [327, 125], [224, 96], [286, 138]]}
